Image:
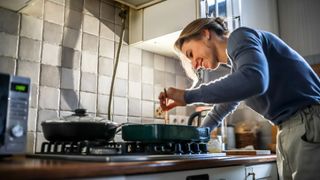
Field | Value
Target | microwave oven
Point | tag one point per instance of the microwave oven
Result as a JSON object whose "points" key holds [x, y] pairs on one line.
{"points": [[14, 103]]}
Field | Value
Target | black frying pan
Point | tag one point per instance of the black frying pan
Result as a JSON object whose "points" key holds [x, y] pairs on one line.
{"points": [[62, 130], [78, 131]]}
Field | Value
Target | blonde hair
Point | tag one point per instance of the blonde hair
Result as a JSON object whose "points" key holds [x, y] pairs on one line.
{"points": [[193, 32]]}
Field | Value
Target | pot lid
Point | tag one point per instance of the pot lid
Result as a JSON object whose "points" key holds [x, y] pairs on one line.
{"points": [[80, 115]]}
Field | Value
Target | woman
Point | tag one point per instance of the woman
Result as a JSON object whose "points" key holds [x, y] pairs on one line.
{"points": [[269, 76]]}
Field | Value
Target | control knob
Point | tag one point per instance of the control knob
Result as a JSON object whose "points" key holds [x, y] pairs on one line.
{"points": [[17, 131]]}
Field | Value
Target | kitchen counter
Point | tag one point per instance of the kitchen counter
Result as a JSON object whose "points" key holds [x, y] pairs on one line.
{"points": [[21, 167]]}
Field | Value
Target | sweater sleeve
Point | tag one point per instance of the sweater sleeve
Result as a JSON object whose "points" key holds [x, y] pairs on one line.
{"points": [[217, 114], [250, 75]]}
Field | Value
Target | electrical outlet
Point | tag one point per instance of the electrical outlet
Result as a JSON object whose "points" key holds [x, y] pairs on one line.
{"points": [[182, 120], [173, 119]]}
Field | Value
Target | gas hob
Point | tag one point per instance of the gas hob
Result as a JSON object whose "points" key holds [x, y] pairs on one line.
{"points": [[100, 151]]}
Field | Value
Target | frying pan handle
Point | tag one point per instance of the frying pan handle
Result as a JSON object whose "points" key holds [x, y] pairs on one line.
{"points": [[193, 116]]}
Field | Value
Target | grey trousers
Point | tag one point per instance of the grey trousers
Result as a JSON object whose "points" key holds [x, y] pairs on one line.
{"points": [[298, 145]]}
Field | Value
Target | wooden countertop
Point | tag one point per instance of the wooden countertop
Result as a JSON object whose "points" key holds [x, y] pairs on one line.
{"points": [[30, 168]]}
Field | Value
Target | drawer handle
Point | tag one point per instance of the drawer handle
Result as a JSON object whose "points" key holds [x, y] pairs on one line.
{"points": [[253, 175]]}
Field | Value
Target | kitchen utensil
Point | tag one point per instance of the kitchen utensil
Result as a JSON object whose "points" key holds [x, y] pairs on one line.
{"points": [[164, 133], [79, 127]]}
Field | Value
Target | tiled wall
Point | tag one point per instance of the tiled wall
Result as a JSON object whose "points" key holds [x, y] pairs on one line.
{"points": [[67, 48]]}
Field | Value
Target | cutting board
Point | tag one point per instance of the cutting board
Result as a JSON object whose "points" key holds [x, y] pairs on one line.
{"points": [[248, 152]]}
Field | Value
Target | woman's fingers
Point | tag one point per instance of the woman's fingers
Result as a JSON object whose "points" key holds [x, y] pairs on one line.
{"points": [[171, 105]]}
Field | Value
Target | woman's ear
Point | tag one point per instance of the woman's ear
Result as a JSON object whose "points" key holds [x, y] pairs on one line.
{"points": [[206, 33]]}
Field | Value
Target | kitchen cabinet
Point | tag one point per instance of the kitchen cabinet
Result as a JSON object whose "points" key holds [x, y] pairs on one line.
{"points": [[155, 28], [260, 14], [299, 26], [267, 171], [232, 172]]}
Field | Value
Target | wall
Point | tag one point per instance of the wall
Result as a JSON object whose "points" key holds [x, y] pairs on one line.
{"points": [[299, 27], [68, 48]]}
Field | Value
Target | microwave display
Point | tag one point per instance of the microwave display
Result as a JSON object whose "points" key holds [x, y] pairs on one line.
{"points": [[19, 87]]}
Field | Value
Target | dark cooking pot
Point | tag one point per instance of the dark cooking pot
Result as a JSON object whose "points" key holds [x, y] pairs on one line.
{"points": [[79, 127]]}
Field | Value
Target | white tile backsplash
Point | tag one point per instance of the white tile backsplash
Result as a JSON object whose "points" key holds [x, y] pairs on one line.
{"points": [[29, 69], [147, 108], [135, 55], [72, 38], [159, 62], [147, 75], [105, 66], [49, 98], [104, 83], [69, 100], [122, 70], [29, 49], [51, 54], [134, 107], [54, 12], [147, 92], [73, 19], [32, 119], [68, 50], [90, 43], [90, 25], [9, 48], [103, 101], [88, 82], [75, 5], [88, 101], [8, 65], [31, 27], [135, 89], [9, 21], [106, 48], [134, 73], [70, 79], [107, 12], [170, 65], [120, 106], [107, 30], [89, 62], [52, 33], [50, 76], [121, 87], [91, 7]]}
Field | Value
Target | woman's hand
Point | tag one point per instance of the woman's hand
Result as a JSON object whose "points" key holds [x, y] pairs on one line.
{"points": [[174, 96]]}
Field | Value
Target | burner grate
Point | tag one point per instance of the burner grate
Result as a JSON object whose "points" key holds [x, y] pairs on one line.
{"points": [[122, 148]]}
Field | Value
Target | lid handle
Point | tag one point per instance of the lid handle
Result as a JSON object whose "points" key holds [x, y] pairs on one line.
{"points": [[80, 112]]}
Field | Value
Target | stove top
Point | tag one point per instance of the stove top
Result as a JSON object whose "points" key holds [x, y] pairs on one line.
{"points": [[104, 151], [128, 158]]}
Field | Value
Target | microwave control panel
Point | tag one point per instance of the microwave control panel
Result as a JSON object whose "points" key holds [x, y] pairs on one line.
{"points": [[14, 99]]}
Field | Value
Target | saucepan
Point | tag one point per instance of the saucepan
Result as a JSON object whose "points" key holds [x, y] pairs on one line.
{"points": [[79, 127]]}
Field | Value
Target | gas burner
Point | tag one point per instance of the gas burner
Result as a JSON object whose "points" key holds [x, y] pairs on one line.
{"points": [[122, 148]]}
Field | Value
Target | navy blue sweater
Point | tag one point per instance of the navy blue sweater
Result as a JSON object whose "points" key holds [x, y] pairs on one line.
{"points": [[272, 79]]}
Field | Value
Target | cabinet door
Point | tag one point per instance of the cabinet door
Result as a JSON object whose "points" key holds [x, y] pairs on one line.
{"points": [[223, 173], [262, 171], [260, 14]]}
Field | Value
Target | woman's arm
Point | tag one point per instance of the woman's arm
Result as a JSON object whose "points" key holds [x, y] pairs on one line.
{"points": [[217, 114]]}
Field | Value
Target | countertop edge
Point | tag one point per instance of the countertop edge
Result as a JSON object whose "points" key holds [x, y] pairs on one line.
{"points": [[21, 167]]}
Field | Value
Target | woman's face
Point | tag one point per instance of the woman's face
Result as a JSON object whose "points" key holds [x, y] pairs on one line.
{"points": [[203, 53]]}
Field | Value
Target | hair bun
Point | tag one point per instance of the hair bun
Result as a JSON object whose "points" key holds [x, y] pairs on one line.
{"points": [[221, 22]]}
